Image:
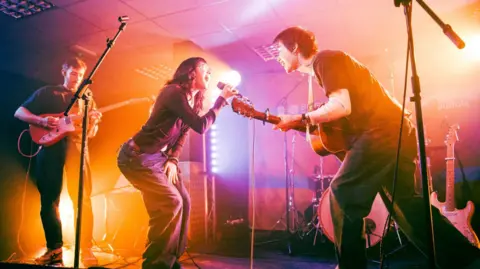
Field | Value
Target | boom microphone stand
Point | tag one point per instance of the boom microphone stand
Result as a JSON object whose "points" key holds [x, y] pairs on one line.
{"points": [[81, 93], [448, 31]]}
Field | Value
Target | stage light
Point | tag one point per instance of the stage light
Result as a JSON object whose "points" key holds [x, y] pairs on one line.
{"points": [[23, 8], [213, 141], [267, 52], [231, 77], [472, 48]]}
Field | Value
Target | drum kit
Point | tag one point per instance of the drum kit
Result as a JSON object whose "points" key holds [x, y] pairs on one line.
{"points": [[319, 219]]}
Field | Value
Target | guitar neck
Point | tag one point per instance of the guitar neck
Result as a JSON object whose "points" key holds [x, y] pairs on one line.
{"points": [[114, 106], [450, 179], [275, 120], [118, 105]]}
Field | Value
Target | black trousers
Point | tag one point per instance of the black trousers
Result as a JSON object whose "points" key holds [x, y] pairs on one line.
{"points": [[50, 165], [368, 169], [168, 206]]}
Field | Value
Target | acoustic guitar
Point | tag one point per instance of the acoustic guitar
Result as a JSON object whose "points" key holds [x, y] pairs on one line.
{"points": [[460, 218], [325, 139], [66, 124]]}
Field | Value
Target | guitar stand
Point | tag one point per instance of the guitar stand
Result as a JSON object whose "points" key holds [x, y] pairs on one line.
{"points": [[401, 246]]}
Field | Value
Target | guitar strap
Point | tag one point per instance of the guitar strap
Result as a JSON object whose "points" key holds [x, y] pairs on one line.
{"points": [[310, 104]]}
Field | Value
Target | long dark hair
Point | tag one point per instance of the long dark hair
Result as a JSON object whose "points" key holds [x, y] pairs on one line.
{"points": [[185, 76]]}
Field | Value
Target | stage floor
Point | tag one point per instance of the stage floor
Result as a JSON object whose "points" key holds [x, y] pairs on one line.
{"points": [[263, 258]]}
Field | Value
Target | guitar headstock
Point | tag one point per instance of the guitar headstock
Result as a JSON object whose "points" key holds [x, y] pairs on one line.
{"points": [[452, 135], [241, 105]]}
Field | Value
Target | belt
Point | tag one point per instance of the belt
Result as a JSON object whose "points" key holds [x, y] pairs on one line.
{"points": [[136, 148]]}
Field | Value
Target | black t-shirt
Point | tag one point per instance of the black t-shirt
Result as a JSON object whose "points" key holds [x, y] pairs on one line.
{"points": [[55, 100], [170, 116], [373, 108]]}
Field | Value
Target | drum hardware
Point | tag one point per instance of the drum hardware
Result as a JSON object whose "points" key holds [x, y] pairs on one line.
{"points": [[291, 216], [322, 182]]}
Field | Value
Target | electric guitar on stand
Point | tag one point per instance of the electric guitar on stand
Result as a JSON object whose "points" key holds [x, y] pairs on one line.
{"points": [[66, 124], [325, 139], [460, 218]]}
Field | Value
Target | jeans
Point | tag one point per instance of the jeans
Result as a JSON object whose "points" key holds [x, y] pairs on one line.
{"points": [[168, 206], [368, 169], [50, 165]]}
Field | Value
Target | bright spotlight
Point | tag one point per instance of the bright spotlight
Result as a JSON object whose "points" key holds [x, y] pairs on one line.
{"points": [[472, 48], [231, 77]]}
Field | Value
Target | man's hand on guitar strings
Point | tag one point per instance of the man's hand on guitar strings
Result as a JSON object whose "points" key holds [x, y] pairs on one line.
{"points": [[49, 122]]}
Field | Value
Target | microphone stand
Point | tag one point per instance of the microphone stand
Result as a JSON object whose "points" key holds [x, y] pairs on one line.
{"points": [[447, 29], [81, 93]]}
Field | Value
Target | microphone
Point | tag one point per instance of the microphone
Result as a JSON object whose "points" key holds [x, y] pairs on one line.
{"points": [[222, 85], [448, 31], [123, 18]]}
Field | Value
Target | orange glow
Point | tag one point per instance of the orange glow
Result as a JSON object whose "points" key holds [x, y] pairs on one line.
{"points": [[67, 217]]}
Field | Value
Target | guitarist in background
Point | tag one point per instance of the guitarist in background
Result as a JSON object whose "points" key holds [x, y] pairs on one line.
{"points": [[369, 163], [65, 153]]}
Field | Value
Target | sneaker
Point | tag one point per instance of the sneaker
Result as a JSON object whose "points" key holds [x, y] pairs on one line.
{"points": [[51, 256], [88, 258]]}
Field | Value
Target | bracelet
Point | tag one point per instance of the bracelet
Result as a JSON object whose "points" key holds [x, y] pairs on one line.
{"points": [[41, 123], [173, 159], [305, 118]]}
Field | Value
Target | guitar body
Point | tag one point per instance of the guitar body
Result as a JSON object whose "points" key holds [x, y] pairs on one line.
{"points": [[47, 137], [66, 125], [461, 219], [329, 138]]}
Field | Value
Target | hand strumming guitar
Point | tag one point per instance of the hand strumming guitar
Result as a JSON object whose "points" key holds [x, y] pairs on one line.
{"points": [[49, 122]]}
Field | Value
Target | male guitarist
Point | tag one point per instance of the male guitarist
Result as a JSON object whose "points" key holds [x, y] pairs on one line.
{"points": [[369, 163], [51, 160]]}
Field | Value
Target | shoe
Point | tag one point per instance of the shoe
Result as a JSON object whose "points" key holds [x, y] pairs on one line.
{"points": [[50, 256], [88, 258]]}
